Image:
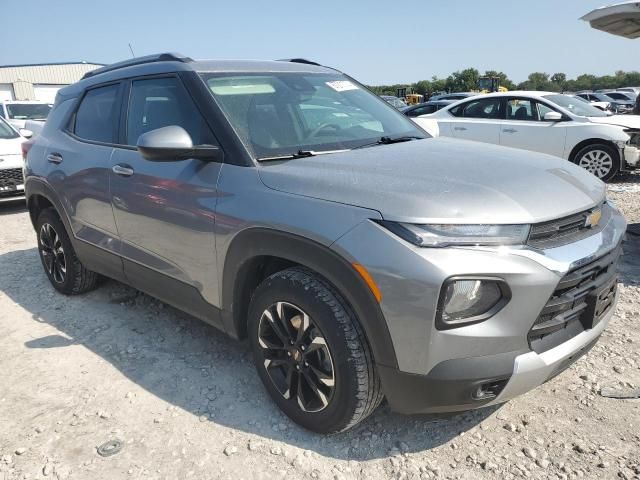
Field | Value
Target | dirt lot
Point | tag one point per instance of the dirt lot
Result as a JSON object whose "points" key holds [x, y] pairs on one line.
{"points": [[186, 402]]}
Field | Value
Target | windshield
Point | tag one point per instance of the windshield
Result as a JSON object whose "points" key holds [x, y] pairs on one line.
{"points": [[6, 132], [28, 111], [279, 114], [576, 106]]}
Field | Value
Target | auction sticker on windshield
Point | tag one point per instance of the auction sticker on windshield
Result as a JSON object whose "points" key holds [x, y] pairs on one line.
{"points": [[342, 85]]}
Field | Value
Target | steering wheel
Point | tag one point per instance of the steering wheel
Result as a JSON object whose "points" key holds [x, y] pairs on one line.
{"points": [[321, 127]]}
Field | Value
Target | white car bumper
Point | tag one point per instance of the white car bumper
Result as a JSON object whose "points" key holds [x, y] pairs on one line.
{"points": [[631, 155]]}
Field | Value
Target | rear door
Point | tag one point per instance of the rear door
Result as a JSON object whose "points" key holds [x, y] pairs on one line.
{"points": [[165, 211], [478, 119], [79, 165], [524, 127]]}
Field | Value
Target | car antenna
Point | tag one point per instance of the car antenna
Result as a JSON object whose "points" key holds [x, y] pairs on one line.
{"points": [[133, 55]]}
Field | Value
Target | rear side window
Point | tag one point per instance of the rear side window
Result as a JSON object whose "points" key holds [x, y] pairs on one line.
{"points": [[482, 108], [161, 102], [95, 118]]}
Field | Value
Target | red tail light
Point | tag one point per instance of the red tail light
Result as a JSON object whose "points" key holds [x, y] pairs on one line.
{"points": [[26, 146]]}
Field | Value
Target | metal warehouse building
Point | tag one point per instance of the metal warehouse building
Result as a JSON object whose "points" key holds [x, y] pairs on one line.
{"points": [[40, 81]]}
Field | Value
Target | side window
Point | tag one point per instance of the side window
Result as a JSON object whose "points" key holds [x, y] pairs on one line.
{"points": [[95, 117], [481, 108], [543, 110], [161, 102], [521, 109], [422, 110]]}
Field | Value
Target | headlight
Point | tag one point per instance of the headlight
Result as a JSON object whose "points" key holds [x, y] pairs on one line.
{"points": [[445, 235], [467, 301]]}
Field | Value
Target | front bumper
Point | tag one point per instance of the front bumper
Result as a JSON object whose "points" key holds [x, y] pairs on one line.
{"points": [[446, 370], [453, 385]]}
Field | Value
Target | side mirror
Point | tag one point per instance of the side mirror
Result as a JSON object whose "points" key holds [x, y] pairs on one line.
{"points": [[25, 133], [173, 143], [552, 117]]}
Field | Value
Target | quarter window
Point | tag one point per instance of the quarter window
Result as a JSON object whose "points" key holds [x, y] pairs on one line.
{"points": [[95, 117], [161, 102]]}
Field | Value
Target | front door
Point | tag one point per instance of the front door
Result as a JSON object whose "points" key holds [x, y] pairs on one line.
{"points": [[165, 211], [525, 128]]}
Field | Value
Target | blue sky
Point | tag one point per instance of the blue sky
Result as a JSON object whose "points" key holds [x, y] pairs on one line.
{"points": [[376, 42]]}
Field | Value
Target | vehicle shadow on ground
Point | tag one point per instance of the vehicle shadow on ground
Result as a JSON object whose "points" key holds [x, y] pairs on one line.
{"points": [[631, 260], [199, 369], [10, 206]]}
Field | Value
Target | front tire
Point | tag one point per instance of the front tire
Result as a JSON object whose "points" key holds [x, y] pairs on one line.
{"points": [[601, 160], [64, 270], [311, 353]]}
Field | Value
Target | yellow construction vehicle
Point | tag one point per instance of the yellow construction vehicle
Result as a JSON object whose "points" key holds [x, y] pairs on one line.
{"points": [[490, 85], [409, 98]]}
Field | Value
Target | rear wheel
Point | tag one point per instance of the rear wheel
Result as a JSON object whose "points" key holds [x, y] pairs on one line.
{"points": [[311, 353], [601, 160], [65, 272]]}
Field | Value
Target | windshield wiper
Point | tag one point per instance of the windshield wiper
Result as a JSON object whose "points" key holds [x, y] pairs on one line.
{"points": [[389, 141], [299, 154]]}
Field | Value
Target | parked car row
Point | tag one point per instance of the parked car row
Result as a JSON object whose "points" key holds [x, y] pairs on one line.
{"points": [[284, 203], [615, 101]]}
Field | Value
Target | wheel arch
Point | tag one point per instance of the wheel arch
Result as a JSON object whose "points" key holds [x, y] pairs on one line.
{"points": [[256, 253], [41, 196], [592, 141]]}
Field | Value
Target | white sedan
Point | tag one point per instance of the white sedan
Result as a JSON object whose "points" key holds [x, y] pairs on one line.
{"points": [[549, 123]]}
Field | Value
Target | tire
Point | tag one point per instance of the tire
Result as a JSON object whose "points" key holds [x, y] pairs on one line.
{"points": [[59, 260], [600, 159], [332, 353]]}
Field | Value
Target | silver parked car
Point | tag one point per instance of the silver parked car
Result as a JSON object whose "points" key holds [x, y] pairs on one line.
{"points": [[284, 203]]}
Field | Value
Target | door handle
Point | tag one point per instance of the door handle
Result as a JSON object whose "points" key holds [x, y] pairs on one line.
{"points": [[122, 170], [54, 158], [461, 129], [510, 130]]}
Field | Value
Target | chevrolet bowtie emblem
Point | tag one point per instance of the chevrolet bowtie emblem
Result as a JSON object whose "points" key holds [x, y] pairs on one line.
{"points": [[593, 219]]}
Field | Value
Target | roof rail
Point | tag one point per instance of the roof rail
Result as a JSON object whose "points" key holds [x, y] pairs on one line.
{"points": [[299, 60], [158, 57]]}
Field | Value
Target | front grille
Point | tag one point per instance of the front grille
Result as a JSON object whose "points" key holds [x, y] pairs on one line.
{"points": [[567, 230], [580, 300], [11, 177]]}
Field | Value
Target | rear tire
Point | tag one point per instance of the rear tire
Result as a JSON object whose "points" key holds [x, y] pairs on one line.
{"points": [[600, 159], [64, 270], [311, 353]]}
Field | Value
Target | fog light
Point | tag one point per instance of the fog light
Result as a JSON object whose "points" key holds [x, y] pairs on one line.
{"points": [[466, 301]]}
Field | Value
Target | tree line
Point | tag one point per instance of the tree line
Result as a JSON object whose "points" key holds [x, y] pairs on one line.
{"points": [[467, 80]]}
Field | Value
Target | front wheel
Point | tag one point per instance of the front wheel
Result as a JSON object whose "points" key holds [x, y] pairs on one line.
{"points": [[599, 159], [311, 353]]}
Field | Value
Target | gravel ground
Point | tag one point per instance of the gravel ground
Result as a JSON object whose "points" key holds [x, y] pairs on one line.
{"points": [[185, 401]]}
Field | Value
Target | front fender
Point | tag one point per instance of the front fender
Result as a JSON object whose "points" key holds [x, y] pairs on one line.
{"points": [[253, 243]]}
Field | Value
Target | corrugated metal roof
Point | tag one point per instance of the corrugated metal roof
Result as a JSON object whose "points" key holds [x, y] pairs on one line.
{"points": [[82, 62]]}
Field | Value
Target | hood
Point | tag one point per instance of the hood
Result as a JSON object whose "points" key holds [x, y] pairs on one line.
{"points": [[442, 180], [627, 121]]}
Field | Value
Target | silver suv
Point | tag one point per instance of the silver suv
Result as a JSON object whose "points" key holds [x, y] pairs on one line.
{"points": [[284, 203]]}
